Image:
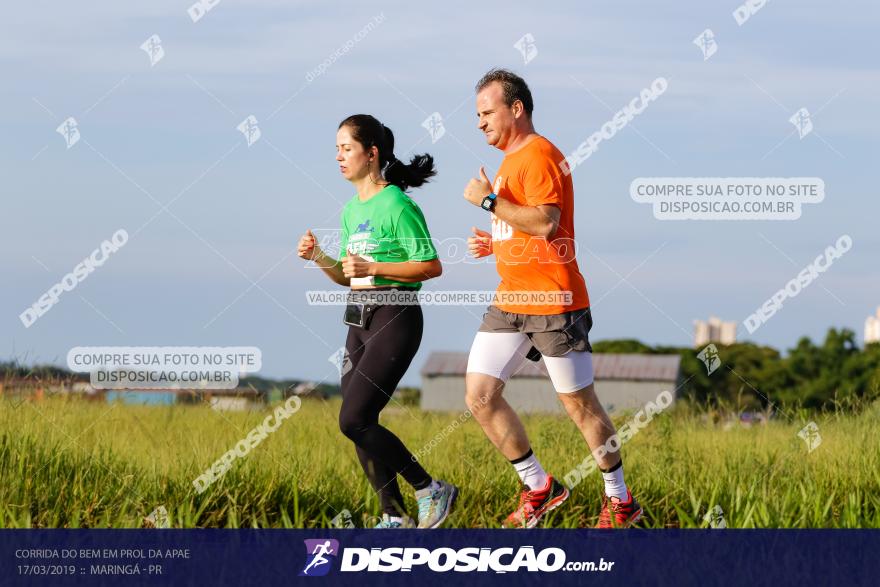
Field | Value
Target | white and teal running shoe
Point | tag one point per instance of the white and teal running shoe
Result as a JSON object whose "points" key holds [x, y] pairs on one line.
{"points": [[435, 503], [389, 522]]}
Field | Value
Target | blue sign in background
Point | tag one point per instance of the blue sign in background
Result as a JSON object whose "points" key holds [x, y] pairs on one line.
{"points": [[278, 557]]}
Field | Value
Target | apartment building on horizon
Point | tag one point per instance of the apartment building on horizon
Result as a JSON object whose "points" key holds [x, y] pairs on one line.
{"points": [[714, 330], [872, 328]]}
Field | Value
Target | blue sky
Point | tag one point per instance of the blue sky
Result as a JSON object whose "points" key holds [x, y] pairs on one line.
{"points": [[168, 132]]}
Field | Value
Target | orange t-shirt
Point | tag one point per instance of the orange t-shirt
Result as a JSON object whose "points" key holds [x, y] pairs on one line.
{"points": [[530, 264]]}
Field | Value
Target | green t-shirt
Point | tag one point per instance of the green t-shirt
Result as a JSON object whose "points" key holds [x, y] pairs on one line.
{"points": [[387, 228]]}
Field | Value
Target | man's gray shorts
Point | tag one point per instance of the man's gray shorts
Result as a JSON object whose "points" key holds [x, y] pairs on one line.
{"points": [[555, 335]]}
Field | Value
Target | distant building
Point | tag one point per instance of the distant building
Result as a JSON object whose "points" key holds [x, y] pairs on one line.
{"points": [[234, 403], [872, 328], [141, 397], [714, 330], [235, 400], [305, 388], [623, 381]]}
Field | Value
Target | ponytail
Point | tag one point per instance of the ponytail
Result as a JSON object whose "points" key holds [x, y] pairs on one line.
{"points": [[418, 172]]}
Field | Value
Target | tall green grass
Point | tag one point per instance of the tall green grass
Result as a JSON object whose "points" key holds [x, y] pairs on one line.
{"points": [[68, 463]]}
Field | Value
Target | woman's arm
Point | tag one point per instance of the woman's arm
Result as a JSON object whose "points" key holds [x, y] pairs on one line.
{"points": [[404, 271], [331, 267], [309, 250], [409, 271]]}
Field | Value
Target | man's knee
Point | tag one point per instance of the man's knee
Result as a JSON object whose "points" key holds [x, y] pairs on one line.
{"points": [[482, 391], [584, 397]]}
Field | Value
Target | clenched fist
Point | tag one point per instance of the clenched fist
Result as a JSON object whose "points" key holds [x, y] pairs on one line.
{"points": [[308, 248], [355, 266], [479, 245]]}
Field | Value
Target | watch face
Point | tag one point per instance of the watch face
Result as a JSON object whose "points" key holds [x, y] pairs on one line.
{"points": [[487, 204]]}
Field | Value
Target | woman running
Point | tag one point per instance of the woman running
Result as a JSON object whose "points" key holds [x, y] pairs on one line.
{"points": [[386, 249]]}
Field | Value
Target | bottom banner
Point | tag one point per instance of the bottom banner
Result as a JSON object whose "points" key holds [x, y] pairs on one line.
{"points": [[399, 557]]}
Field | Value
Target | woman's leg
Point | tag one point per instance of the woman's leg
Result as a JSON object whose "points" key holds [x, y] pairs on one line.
{"points": [[384, 481], [381, 476], [388, 348]]}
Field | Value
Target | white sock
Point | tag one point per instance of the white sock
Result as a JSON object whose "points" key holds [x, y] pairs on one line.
{"points": [[530, 471], [614, 484]]}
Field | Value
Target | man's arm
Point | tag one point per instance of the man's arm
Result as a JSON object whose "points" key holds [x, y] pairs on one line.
{"points": [[541, 220], [534, 220]]}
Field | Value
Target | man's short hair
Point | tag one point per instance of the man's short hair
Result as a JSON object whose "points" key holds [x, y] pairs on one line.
{"points": [[514, 88]]}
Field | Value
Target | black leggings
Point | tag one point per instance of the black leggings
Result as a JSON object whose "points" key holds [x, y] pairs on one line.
{"points": [[379, 358]]}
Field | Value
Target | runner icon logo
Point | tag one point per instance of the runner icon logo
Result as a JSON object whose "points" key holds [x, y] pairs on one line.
{"points": [[318, 556]]}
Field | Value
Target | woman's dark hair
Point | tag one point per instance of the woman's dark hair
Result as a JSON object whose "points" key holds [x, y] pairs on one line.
{"points": [[369, 132]]}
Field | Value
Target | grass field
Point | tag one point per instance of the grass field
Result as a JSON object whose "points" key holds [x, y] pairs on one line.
{"points": [[68, 463]]}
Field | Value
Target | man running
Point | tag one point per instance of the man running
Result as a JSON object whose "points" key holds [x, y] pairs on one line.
{"points": [[541, 306]]}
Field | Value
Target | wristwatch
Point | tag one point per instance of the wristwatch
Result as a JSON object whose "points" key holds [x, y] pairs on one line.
{"points": [[488, 203]]}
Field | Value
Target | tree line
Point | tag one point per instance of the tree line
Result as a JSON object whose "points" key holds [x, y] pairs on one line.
{"points": [[833, 375]]}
